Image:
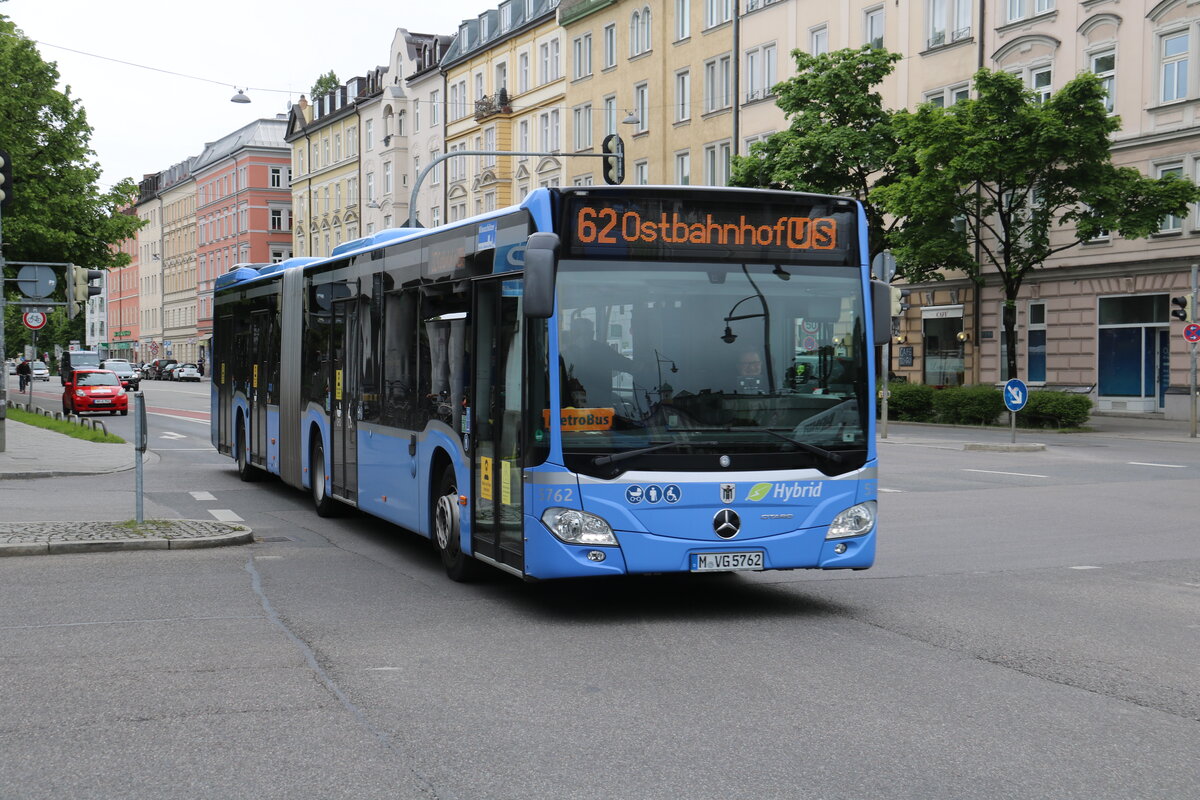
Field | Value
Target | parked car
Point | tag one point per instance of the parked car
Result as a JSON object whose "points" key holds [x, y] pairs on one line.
{"points": [[185, 372], [158, 366], [94, 390], [12, 366], [130, 377], [41, 372]]}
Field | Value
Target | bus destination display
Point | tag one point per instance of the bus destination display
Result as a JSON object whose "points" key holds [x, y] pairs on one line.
{"points": [[665, 228]]}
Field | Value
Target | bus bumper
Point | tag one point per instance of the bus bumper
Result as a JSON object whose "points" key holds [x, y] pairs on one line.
{"points": [[639, 552]]}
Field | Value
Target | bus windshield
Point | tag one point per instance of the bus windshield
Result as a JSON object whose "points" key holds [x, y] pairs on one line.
{"points": [[674, 358]]}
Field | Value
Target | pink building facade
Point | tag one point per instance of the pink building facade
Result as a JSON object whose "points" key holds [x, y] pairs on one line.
{"points": [[243, 209], [123, 331]]}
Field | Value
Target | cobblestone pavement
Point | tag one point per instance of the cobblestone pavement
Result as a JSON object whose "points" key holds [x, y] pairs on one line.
{"points": [[35, 538]]}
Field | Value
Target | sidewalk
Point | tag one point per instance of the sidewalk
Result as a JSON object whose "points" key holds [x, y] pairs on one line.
{"points": [[39, 453]]}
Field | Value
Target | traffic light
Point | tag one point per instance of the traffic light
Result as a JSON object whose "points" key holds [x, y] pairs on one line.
{"points": [[614, 159], [900, 301], [6, 180], [1182, 310], [79, 287]]}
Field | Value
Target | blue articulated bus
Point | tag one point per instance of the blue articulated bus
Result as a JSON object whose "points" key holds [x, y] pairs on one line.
{"points": [[598, 381]]}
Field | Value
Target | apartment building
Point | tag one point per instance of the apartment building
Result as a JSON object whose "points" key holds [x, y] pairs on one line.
{"points": [[243, 209], [505, 90], [150, 268], [177, 190], [326, 196], [124, 301]]}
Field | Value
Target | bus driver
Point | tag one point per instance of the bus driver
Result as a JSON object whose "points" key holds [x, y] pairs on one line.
{"points": [[590, 365]]}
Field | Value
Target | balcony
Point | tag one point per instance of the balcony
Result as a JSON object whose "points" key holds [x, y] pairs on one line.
{"points": [[491, 105]]}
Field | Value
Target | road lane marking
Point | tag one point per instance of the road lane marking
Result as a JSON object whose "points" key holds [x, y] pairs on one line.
{"points": [[895, 491], [1149, 464], [225, 515], [172, 435], [181, 419], [1085, 567], [202, 496], [997, 472]]}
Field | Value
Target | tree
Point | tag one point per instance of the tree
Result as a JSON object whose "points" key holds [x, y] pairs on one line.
{"points": [[840, 138], [58, 212], [324, 84], [1007, 181]]}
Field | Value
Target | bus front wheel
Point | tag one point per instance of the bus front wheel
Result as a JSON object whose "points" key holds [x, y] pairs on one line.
{"points": [[245, 470], [322, 502], [459, 566]]}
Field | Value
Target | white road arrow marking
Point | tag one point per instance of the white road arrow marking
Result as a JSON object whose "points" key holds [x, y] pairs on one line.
{"points": [[172, 435]]}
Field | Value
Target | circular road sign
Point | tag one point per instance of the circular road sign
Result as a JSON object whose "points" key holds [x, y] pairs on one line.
{"points": [[34, 320], [1192, 332], [1015, 394]]}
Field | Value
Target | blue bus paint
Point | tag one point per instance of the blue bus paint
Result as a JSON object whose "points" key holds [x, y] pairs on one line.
{"points": [[328, 337]]}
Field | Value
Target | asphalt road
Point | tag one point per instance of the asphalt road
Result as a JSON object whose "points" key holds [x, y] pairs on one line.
{"points": [[1030, 630]]}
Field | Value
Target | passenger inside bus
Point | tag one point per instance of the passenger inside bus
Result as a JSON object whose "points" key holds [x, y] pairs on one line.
{"points": [[590, 365]]}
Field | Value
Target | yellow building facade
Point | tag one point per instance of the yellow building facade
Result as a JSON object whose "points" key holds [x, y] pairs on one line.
{"points": [[662, 75], [505, 88], [327, 197]]}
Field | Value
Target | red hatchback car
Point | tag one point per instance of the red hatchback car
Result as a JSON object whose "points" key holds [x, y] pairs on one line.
{"points": [[94, 390]]}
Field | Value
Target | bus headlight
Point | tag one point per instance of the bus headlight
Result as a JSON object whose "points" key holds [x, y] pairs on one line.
{"points": [[578, 527], [854, 521]]}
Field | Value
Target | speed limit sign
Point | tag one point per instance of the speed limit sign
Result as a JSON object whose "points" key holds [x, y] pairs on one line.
{"points": [[34, 320]]}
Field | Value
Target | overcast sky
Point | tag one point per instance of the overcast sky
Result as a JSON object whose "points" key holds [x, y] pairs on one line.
{"points": [[144, 121]]}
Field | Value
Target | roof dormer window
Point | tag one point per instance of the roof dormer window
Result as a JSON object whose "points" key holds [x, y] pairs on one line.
{"points": [[464, 33]]}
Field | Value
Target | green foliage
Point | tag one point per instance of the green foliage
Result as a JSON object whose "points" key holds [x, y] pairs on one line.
{"points": [[840, 139], [1006, 175], [968, 405], [324, 84], [910, 402], [58, 213], [1055, 410]]}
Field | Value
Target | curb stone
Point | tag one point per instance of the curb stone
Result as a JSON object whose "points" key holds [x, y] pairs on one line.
{"points": [[44, 538]]}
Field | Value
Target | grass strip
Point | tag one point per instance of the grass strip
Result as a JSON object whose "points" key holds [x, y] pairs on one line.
{"points": [[63, 426]]}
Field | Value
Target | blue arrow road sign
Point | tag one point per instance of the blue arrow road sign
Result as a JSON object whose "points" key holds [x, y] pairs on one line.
{"points": [[1015, 394]]}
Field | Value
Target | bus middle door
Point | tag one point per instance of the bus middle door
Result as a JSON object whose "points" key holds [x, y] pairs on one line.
{"points": [[343, 413], [496, 455]]}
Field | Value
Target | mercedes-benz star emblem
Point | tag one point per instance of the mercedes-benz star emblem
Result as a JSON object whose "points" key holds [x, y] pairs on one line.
{"points": [[726, 523]]}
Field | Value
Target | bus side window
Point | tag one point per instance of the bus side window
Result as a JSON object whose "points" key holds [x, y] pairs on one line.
{"points": [[399, 359]]}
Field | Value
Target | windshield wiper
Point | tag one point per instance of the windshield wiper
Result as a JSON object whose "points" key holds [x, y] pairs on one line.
{"points": [[831, 456], [613, 458]]}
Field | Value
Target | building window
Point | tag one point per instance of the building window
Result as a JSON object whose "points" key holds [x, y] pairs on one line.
{"points": [[1171, 223], [760, 72], [1035, 369], [949, 21], [276, 177], [683, 19], [582, 48], [337, 147], [1175, 66], [683, 95], [610, 114], [435, 107], [1104, 65], [548, 126], [281, 219], [818, 40], [716, 84], [505, 17], [1020, 9], [639, 31], [610, 46], [549, 61], [1039, 81], [641, 106], [369, 133], [717, 12], [873, 26], [583, 126], [370, 187], [523, 138], [641, 173], [523, 72], [683, 168], [716, 164]]}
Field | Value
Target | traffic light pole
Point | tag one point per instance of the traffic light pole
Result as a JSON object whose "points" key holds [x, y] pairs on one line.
{"points": [[412, 202], [1192, 386]]}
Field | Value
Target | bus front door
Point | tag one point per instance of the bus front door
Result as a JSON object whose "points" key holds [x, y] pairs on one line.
{"points": [[496, 529], [343, 433], [260, 324]]}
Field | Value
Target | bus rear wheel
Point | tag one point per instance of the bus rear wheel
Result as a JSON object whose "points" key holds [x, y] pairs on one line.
{"points": [[322, 502], [245, 469], [459, 566]]}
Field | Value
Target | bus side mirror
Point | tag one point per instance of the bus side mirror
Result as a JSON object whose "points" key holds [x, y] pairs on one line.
{"points": [[541, 270], [881, 305]]}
